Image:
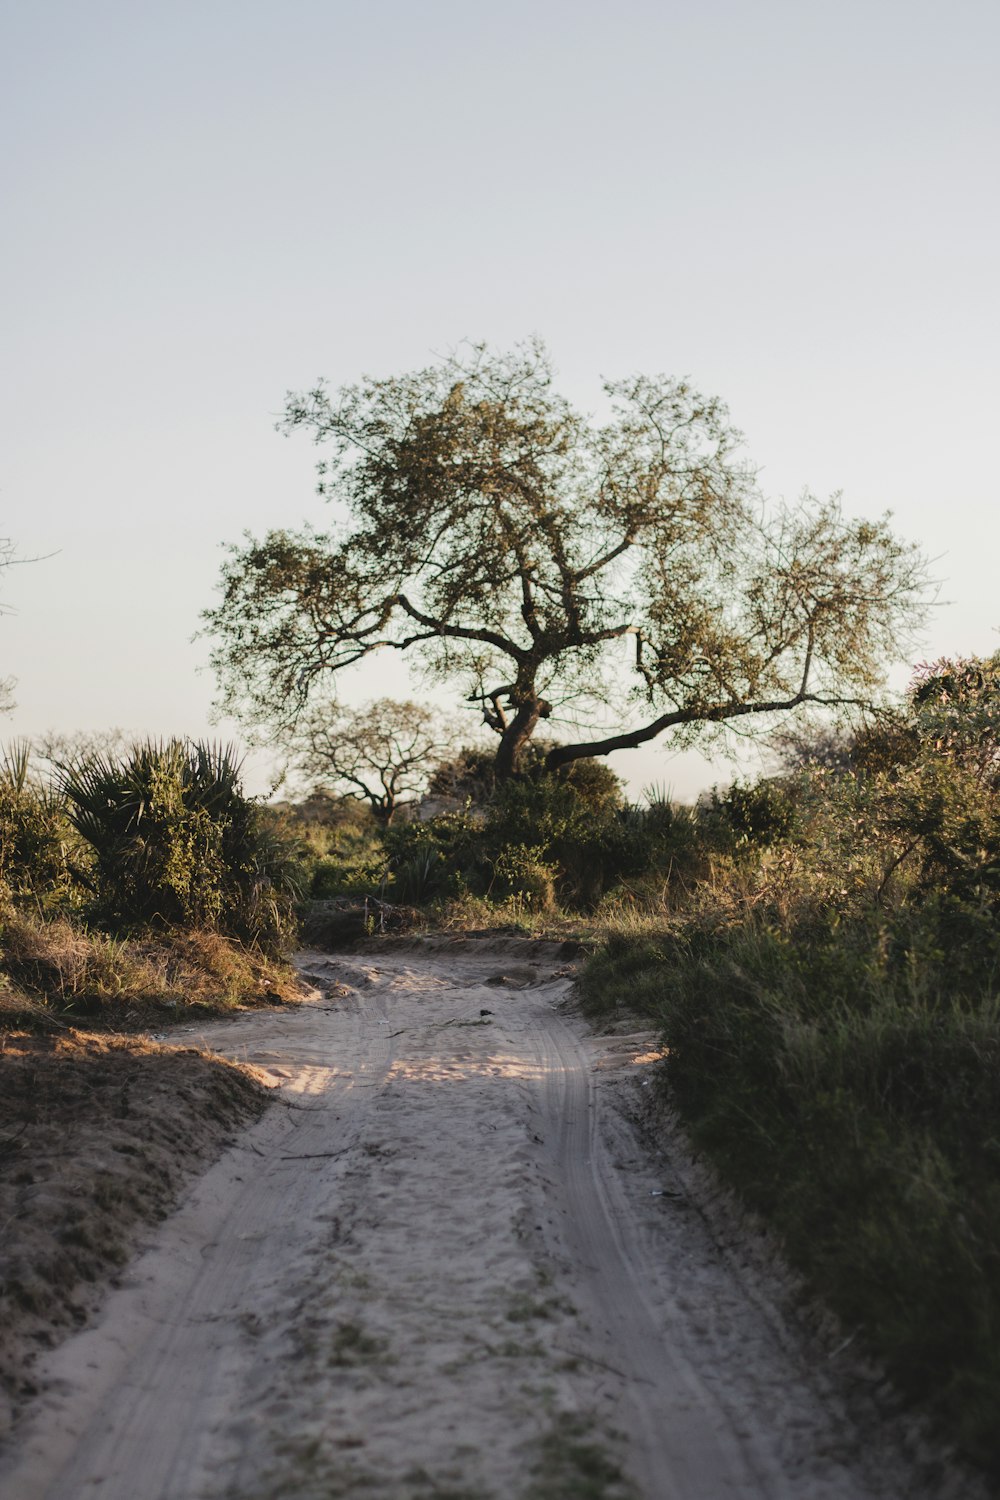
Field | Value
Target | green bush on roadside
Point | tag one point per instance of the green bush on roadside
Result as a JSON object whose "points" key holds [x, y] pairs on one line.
{"points": [[830, 997], [175, 842], [37, 842]]}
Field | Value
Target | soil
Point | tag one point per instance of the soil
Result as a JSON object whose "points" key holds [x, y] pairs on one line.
{"points": [[450, 1261], [97, 1135]]}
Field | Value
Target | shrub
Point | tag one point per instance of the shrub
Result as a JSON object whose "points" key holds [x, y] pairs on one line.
{"points": [[36, 840], [520, 871], [830, 999], [760, 814], [420, 878], [175, 842], [854, 1099], [577, 827]]}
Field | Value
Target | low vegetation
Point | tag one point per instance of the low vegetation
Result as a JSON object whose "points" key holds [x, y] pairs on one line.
{"points": [[821, 949], [137, 888], [829, 991]]}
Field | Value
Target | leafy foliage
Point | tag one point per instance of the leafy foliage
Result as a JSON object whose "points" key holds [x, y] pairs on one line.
{"points": [[336, 845], [830, 998], [36, 840], [174, 841]]}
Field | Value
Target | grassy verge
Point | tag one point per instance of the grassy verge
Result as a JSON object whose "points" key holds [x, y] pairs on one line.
{"points": [[56, 972], [852, 1097], [343, 922]]}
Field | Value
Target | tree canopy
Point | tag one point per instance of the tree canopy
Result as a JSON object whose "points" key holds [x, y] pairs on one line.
{"points": [[622, 573], [382, 753]]}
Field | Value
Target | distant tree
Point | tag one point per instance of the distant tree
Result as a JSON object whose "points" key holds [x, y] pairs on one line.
{"points": [[8, 557], [381, 753], [814, 746], [546, 563], [63, 749]]}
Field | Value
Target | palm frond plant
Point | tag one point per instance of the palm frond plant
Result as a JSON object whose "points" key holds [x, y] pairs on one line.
{"points": [[176, 842]]}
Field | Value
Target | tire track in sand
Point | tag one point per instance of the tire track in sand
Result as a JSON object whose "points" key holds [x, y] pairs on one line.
{"points": [[442, 1241], [138, 1407]]}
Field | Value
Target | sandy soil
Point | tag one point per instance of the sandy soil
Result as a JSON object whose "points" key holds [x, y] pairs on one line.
{"points": [[447, 1263], [97, 1136]]}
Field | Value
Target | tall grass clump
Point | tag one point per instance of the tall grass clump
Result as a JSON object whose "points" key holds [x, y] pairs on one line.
{"points": [[829, 994]]}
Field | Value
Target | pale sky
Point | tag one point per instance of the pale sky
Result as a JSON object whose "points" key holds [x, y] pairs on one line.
{"points": [[207, 204]]}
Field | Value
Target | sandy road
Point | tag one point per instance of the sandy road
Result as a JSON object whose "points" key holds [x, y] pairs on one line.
{"points": [[443, 1264]]}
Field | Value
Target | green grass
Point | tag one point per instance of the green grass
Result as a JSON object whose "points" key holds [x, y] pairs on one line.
{"points": [[851, 1095]]}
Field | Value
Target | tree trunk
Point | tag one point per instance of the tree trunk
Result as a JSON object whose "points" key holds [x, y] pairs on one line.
{"points": [[517, 734]]}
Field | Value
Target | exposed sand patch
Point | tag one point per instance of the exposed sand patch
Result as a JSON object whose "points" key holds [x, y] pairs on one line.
{"points": [[96, 1135]]}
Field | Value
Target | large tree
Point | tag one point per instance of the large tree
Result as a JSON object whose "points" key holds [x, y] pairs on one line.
{"points": [[623, 572]]}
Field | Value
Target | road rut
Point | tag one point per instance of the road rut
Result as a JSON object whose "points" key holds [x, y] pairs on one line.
{"points": [[445, 1264]]}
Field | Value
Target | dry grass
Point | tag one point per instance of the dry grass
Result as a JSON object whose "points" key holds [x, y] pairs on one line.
{"points": [[514, 917], [56, 972]]}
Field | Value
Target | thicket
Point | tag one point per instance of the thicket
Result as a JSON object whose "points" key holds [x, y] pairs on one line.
{"points": [[830, 996], [137, 879], [539, 844]]}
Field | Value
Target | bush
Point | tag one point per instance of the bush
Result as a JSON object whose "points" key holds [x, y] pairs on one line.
{"points": [[582, 839], [36, 840], [545, 838], [521, 872], [759, 814], [830, 1001], [176, 843]]}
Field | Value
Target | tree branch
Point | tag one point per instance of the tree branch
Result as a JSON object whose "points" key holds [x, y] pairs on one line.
{"points": [[717, 713], [462, 632]]}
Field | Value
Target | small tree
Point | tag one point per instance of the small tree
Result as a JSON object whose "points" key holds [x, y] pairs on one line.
{"points": [[544, 562], [63, 749], [381, 753]]}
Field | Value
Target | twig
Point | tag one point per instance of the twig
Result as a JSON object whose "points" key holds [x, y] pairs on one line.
{"points": [[578, 1354], [310, 1155]]}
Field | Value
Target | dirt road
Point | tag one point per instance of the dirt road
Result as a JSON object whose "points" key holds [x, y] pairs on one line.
{"points": [[444, 1264]]}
